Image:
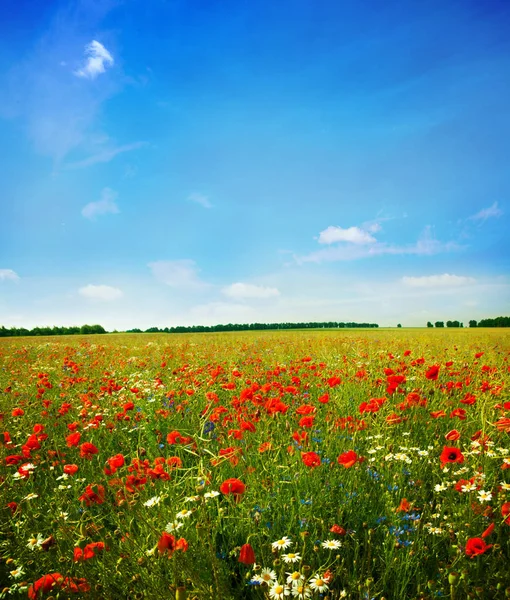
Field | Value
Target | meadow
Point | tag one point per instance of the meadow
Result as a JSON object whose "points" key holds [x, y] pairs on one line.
{"points": [[304, 464]]}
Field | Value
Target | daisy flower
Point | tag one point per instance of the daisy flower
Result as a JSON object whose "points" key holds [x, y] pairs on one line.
{"points": [[183, 514], [484, 496], [294, 578], [152, 501], [278, 591], [17, 573], [35, 543], [301, 591], [267, 576], [331, 544], [291, 557], [318, 584], [171, 527], [285, 542], [505, 486], [468, 487], [31, 496], [212, 494]]}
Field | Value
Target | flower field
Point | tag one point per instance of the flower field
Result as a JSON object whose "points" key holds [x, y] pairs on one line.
{"points": [[317, 464]]}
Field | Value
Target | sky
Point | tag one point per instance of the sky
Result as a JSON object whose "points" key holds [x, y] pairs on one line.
{"points": [[180, 162]]}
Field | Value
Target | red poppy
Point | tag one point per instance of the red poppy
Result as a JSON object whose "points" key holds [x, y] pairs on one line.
{"points": [[70, 469], [166, 544], [476, 546], [505, 512], [181, 544], [311, 459], [247, 555], [324, 399], [306, 422], [44, 584], [338, 530], [87, 450], [348, 459], [452, 435], [488, 531], [451, 455], [73, 439], [90, 496], [404, 506], [233, 486], [18, 412], [432, 372]]}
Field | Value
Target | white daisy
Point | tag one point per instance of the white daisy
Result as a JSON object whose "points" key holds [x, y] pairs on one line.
{"points": [[17, 573], [267, 576], [301, 591], [171, 527], [294, 578], [282, 544], [484, 496], [212, 494], [331, 544], [318, 583], [192, 498], [31, 496], [152, 501], [505, 486], [35, 543], [183, 514], [291, 557], [468, 487], [278, 591]]}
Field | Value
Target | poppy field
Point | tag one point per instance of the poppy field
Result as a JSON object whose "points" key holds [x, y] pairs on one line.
{"points": [[300, 464]]}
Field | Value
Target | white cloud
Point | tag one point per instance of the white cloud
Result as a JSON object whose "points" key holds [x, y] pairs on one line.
{"points": [[487, 213], [106, 205], [98, 59], [354, 235], [100, 292], [200, 199], [104, 156], [425, 245], [434, 281], [240, 291], [177, 273], [8, 275]]}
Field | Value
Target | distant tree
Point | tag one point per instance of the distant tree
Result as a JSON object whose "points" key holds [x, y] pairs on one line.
{"points": [[399, 325], [439, 323], [473, 323], [429, 324]]}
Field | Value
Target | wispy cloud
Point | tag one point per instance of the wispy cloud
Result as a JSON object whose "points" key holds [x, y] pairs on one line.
{"points": [[98, 59], [8, 275], [200, 199], [177, 273], [437, 281], [107, 205], [353, 235], [425, 245], [241, 291], [487, 213], [105, 293], [104, 156]]}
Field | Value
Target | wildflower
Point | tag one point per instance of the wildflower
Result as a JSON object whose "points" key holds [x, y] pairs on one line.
{"points": [[311, 459], [267, 576], [348, 459], [282, 544], [70, 469], [331, 544], [452, 435], [291, 557], [318, 584], [294, 578], [44, 584], [233, 486], [87, 450], [247, 555], [432, 372], [152, 501], [301, 591], [278, 591], [505, 512], [17, 573], [451, 455], [183, 514], [166, 544], [173, 526], [212, 494], [476, 546], [338, 530], [35, 543], [31, 496], [89, 496], [484, 496]]}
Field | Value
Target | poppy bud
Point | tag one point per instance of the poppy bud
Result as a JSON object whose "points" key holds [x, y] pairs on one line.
{"points": [[247, 555]]}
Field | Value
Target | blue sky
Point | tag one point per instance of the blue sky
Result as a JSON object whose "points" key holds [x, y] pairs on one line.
{"points": [[191, 162]]}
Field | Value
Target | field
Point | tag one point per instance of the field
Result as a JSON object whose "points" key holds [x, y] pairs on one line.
{"points": [[307, 464]]}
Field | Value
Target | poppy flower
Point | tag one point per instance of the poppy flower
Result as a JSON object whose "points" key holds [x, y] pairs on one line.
{"points": [[505, 512], [452, 435], [44, 584], [404, 506], [90, 496], [476, 546], [451, 455], [432, 373], [181, 544], [73, 439], [488, 531], [247, 555], [87, 450], [339, 530], [311, 459], [348, 459], [70, 469], [233, 486], [166, 543]]}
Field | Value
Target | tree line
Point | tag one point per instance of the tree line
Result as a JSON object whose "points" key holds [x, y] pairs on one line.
{"points": [[496, 322], [254, 327], [39, 331]]}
